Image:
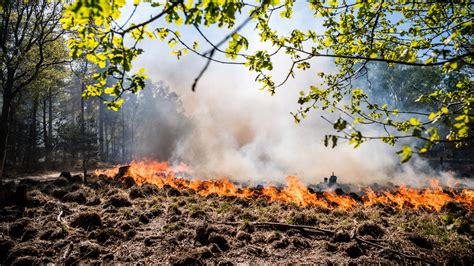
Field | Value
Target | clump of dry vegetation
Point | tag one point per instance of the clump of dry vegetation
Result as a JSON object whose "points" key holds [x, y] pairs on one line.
{"points": [[66, 221]]}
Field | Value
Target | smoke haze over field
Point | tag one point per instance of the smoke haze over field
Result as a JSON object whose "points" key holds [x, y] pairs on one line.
{"points": [[248, 135], [243, 133]]}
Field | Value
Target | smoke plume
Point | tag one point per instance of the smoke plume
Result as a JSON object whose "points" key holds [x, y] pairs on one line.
{"points": [[245, 134]]}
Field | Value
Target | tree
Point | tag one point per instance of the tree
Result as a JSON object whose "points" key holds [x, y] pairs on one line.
{"points": [[26, 30], [355, 33], [399, 86], [43, 88]]}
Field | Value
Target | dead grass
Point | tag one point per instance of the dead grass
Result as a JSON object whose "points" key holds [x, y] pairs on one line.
{"points": [[160, 228]]}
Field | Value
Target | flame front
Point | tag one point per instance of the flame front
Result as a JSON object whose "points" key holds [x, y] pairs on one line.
{"points": [[162, 173]]}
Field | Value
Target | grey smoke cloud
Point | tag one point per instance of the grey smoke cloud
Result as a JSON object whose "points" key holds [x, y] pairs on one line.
{"points": [[243, 133], [247, 135]]}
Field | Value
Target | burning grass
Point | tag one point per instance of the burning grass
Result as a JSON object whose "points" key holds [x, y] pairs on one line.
{"points": [[161, 174]]}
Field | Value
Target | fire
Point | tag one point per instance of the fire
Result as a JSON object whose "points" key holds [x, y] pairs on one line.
{"points": [[162, 173]]}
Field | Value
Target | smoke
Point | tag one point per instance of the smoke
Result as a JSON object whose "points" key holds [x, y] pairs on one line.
{"points": [[247, 135], [159, 120]]}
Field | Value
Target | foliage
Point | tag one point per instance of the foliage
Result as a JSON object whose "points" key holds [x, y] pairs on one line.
{"points": [[31, 42], [31, 45], [396, 32], [53, 76]]}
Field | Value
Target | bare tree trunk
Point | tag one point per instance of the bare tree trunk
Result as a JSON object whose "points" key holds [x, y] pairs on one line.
{"points": [[101, 132], [123, 136], [45, 132], [4, 128], [49, 136], [84, 148], [107, 142], [31, 151], [112, 142], [13, 138], [132, 140], [5, 118]]}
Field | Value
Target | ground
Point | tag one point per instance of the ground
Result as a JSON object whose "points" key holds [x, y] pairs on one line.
{"points": [[69, 221]]}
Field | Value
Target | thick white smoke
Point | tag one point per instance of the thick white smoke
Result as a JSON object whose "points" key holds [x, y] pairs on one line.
{"points": [[248, 135]]}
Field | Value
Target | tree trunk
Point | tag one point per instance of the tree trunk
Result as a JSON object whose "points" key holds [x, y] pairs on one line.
{"points": [[45, 131], [13, 142], [4, 128], [132, 140], [123, 136], [107, 142], [112, 142], [84, 151], [30, 159], [49, 136], [101, 132], [20, 137]]}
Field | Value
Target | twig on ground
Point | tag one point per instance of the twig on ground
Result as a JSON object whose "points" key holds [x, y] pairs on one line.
{"points": [[59, 216], [293, 226], [67, 251], [283, 226]]}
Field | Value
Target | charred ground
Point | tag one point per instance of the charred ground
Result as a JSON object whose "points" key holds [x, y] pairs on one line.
{"points": [[69, 221]]}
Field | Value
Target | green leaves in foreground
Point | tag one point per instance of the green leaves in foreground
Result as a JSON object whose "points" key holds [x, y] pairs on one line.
{"points": [[406, 153]]}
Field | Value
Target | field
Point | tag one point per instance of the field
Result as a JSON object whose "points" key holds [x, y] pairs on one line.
{"points": [[102, 220]]}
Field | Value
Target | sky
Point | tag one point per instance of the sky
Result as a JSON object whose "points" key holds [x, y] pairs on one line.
{"points": [[246, 134]]}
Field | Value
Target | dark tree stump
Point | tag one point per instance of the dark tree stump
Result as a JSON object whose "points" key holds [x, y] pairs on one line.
{"points": [[122, 172]]}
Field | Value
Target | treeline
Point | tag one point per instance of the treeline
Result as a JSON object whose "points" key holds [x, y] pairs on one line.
{"points": [[400, 88], [54, 127], [45, 121]]}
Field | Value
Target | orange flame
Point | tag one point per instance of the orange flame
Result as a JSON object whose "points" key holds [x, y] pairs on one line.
{"points": [[162, 173]]}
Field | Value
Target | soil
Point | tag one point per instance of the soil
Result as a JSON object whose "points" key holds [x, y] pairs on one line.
{"points": [[67, 221]]}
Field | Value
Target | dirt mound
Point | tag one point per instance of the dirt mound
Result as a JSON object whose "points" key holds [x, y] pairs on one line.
{"points": [[19, 253], [219, 240], [61, 182], [342, 236], [87, 220], [5, 246], [78, 196], [54, 234], [454, 208], [354, 251], [17, 229], [118, 201], [145, 190], [89, 249], [103, 235], [303, 218], [371, 229], [420, 241]]}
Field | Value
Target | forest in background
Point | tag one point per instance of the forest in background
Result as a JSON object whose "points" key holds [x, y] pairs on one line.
{"points": [[55, 128]]}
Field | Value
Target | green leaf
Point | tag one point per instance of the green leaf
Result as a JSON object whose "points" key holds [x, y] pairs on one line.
{"points": [[414, 122], [303, 65], [406, 153]]}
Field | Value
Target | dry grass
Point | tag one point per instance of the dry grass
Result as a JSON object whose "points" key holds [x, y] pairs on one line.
{"points": [[160, 228]]}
